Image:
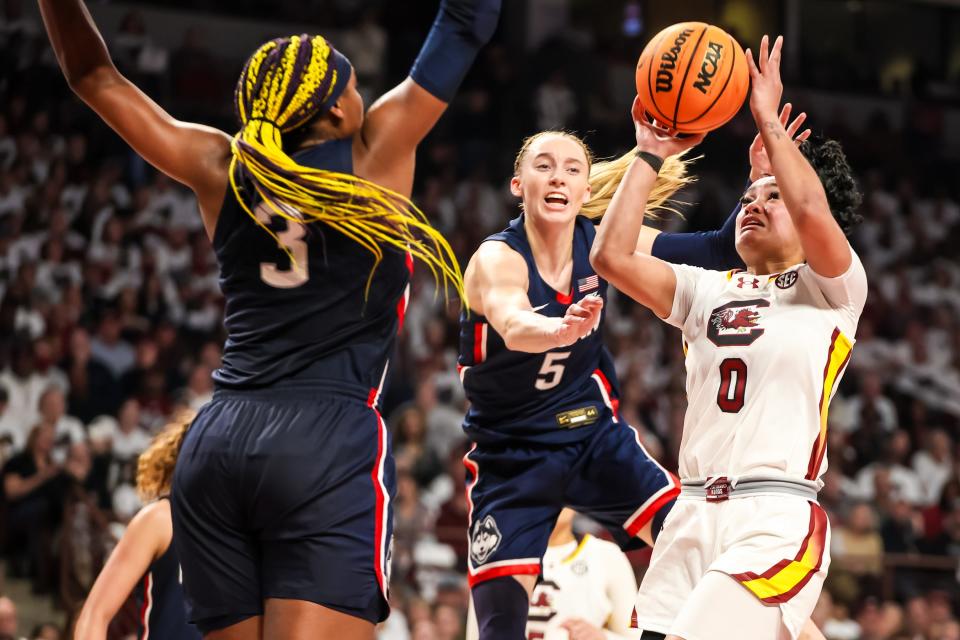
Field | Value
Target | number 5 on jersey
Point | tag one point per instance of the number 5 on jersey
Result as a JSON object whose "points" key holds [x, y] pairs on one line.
{"points": [[551, 372]]}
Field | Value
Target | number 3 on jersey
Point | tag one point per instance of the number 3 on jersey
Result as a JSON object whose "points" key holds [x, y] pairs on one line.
{"points": [[551, 372], [292, 239]]}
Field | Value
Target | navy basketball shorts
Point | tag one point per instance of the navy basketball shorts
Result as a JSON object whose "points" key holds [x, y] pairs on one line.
{"points": [[283, 496], [516, 491]]}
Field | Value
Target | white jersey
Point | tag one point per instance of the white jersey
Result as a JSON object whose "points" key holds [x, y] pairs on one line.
{"points": [[592, 580], [764, 355]]}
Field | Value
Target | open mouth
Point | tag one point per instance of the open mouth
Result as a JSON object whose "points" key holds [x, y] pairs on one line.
{"points": [[556, 198], [751, 223]]}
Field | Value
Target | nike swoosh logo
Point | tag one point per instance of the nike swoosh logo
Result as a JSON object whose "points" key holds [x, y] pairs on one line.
{"points": [[543, 306]]}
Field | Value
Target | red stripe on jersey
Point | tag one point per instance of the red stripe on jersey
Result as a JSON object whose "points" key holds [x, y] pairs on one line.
{"points": [[381, 501], [479, 342], [565, 299], [614, 401], [402, 308], [816, 535], [523, 569], [410, 262], [147, 605], [647, 514]]}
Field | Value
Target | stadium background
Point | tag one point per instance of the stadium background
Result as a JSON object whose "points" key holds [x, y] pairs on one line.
{"points": [[111, 318]]}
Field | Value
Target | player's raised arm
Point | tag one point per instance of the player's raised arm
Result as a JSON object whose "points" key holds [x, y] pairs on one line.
{"points": [[497, 287], [399, 120], [194, 155], [614, 256], [716, 249], [825, 246]]}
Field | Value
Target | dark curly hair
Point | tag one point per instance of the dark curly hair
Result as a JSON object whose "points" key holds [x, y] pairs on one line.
{"points": [[828, 160]]}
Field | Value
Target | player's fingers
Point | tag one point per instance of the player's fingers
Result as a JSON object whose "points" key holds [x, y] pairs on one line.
{"points": [[796, 124], [785, 113], [803, 136], [776, 53], [577, 311], [764, 53], [754, 72]]}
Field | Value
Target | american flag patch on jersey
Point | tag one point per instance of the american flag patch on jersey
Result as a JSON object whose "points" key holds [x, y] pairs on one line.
{"points": [[589, 283]]}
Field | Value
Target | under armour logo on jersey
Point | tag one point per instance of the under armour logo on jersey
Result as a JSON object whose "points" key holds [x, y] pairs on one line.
{"points": [[742, 281], [485, 540]]}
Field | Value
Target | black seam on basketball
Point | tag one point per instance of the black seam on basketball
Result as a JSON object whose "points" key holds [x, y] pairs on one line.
{"points": [[733, 65], [676, 108], [653, 96]]}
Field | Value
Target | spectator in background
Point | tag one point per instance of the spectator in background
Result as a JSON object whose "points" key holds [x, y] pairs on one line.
{"points": [[934, 464], [410, 445], [8, 619], [556, 103], [130, 438], [93, 389], [34, 486], [46, 631], [869, 404], [857, 549], [53, 412], [902, 478], [24, 385], [109, 349]]}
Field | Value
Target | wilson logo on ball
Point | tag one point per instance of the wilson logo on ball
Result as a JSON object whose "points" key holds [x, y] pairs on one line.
{"points": [[668, 62]]}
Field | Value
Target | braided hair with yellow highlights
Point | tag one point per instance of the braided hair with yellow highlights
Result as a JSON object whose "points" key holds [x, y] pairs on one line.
{"points": [[285, 85]]}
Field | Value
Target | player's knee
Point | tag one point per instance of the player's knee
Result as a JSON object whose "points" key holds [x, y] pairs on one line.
{"points": [[502, 605]]}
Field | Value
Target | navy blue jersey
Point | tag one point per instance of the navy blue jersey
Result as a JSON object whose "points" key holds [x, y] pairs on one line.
{"points": [[163, 612], [550, 397], [315, 325]]}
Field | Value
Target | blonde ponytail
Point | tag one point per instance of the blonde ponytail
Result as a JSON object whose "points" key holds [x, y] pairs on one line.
{"points": [[605, 177]]}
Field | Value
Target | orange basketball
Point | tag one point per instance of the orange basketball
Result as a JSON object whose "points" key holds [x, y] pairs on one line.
{"points": [[692, 77]]}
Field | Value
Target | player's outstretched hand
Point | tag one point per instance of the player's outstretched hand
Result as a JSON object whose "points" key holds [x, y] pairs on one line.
{"points": [[582, 319], [766, 87], [759, 160], [580, 629], [657, 141]]}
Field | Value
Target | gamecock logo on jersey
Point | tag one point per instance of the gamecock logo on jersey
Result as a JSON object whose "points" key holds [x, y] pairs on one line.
{"points": [[736, 324], [485, 540]]}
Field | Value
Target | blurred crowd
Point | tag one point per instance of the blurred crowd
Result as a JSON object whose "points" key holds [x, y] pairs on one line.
{"points": [[110, 320]]}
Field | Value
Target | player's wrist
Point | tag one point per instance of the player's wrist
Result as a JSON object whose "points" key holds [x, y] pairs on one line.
{"points": [[653, 160]]}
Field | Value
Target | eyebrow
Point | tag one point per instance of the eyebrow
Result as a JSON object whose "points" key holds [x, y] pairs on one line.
{"points": [[545, 154]]}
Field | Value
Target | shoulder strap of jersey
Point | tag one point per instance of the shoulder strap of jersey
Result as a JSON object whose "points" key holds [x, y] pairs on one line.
{"points": [[515, 237]]}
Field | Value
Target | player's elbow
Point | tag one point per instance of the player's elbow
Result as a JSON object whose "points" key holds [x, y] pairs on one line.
{"points": [[87, 83], [603, 262]]}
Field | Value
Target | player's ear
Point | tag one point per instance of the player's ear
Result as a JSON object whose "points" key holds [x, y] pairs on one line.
{"points": [[515, 186], [587, 194]]}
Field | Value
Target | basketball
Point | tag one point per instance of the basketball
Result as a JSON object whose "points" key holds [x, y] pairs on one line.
{"points": [[692, 77]]}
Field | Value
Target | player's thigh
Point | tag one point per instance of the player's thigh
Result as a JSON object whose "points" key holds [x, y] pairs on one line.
{"points": [[515, 494], [719, 608], [219, 557], [249, 629], [301, 620], [324, 512], [619, 484]]}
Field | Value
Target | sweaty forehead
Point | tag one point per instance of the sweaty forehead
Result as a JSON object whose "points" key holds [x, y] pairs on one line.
{"points": [[559, 147]]}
